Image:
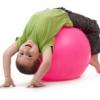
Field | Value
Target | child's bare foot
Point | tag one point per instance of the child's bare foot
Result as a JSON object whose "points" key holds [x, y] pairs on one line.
{"points": [[98, 68], [95, 62]]}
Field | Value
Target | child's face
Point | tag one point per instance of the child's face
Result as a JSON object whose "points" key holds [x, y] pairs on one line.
{"points": [[28, 53]]}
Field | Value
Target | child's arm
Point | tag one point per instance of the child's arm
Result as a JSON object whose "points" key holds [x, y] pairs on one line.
{"points": [[6, 64], [44, 67]]}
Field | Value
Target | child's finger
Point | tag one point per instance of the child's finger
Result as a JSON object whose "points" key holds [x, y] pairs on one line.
{"points": [[35, 85], [4, 86], [39, 85], [13, 84], [1, 86], [29, 86]]}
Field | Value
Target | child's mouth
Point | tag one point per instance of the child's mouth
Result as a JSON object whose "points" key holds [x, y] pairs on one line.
{"points": [[29, 45]]}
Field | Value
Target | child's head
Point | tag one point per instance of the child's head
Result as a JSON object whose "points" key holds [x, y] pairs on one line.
{"points": [[27, 56]]}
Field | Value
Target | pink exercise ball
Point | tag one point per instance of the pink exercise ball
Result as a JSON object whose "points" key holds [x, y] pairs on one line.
{"points": [[71, 55]]}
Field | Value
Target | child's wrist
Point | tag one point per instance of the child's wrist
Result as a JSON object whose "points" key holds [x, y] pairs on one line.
{"points": [[8, 78], [35, 81]]}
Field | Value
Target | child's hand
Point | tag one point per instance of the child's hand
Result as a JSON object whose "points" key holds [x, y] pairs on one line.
{"points": [[8, 82], [35, 84]]}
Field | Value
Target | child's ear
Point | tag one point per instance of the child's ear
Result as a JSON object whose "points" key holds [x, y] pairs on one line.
{"points": [[36, 65], [40, 58]]}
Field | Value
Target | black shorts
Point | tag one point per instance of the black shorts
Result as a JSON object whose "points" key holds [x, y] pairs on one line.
{"points": [[89, 27]]}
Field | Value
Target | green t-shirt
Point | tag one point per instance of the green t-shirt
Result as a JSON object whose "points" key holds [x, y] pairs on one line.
{"points": [[43, 26]]}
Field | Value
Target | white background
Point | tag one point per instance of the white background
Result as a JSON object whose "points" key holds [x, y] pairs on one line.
{"points": [[14, 15]]}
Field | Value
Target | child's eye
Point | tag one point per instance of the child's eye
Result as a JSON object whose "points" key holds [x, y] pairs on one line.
{"points": [[21, 53], [29, 56]]}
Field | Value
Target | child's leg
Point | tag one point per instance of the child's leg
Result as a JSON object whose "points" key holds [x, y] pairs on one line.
{"points": [[95, 62], [94, 39], [92, 31]]}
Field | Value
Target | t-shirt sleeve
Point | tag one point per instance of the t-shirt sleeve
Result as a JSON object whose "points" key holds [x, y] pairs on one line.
{"points": [[46, 45]]}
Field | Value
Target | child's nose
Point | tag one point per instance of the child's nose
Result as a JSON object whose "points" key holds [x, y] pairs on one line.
{"points": [[26, 49]]}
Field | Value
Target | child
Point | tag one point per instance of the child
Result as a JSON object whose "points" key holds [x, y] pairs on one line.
{"points": [[37, 41]]}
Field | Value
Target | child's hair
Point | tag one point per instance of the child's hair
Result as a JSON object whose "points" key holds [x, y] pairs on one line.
{"points": [[26, 70]]}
